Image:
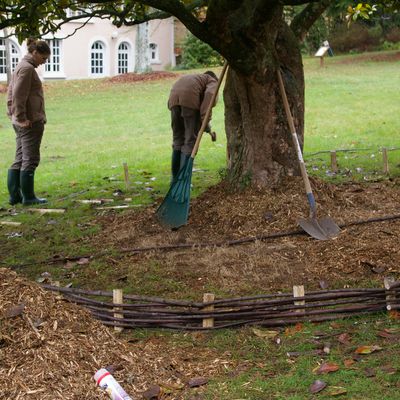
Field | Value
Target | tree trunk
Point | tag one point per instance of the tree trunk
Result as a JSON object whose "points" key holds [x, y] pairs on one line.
{"points": [[260, 147], [142, 62]]}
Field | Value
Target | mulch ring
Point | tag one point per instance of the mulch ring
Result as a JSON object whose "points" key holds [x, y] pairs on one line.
{"points": [[50, 349], [385, 57], [148, 76], [359, 255]]}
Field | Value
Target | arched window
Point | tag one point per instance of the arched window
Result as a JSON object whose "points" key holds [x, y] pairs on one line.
{"points": [[97, 58], [123, 57], [15, 57]]}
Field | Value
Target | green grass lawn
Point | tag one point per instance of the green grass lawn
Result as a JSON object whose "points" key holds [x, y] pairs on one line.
{"points": [[94, 127]]}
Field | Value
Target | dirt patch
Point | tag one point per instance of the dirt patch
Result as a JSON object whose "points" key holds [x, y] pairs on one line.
{"points": [[360, 255], [382, 57], [50, 349], [148, 76], [3, 88]]}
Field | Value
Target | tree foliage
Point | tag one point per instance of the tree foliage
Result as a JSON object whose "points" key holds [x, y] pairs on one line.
{"points": [[197, 54]]}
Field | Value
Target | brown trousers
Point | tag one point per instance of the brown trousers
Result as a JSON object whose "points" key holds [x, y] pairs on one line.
{"points": [[28, 140], [185, 123]]}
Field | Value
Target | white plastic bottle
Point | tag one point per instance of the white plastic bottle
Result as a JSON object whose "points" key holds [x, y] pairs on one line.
{"points": [[108, 383]]}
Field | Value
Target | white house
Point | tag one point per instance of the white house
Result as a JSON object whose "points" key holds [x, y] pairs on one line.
{"points": [[97, 49]]}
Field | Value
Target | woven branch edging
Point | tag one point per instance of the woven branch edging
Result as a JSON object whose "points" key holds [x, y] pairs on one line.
{"points": [[264, 310]]}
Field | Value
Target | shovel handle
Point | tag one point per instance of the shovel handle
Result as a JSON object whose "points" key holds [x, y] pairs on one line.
{"points": [[310, 195], [208, 112]]}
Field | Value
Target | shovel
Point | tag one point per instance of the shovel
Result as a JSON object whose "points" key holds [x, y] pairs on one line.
{"points": [[174, 210], [322, 228]]}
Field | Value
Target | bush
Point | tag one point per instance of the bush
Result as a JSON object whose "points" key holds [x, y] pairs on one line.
{"points": [[357, 37], [393, 35], [197, 54]]}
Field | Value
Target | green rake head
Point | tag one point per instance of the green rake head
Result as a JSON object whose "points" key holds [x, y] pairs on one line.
{"points": [[174, 210]]}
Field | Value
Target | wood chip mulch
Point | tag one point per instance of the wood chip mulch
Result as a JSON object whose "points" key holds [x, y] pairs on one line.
{"points": [[360, 253], [50, 349]]}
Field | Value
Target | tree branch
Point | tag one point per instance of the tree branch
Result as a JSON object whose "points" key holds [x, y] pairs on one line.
{"points": [[303, 21]]}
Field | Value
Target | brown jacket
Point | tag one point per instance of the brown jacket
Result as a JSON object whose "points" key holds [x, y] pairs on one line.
{"points": [[25, 100], [193, 91]]}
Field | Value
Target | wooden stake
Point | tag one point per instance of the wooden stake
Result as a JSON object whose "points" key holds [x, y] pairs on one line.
{"points": [[208, 322], [385, 161], [118, 298], [298, 291], [390, 297], [334, 167], [126, 175], [321, 62]]}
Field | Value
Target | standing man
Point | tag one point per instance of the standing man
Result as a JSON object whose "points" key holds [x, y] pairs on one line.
{"points": [[25, 107], [188, 101]]}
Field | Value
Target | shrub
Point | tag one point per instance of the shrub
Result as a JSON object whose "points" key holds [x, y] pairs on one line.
{"points": [[357, 37], [197, 54]]}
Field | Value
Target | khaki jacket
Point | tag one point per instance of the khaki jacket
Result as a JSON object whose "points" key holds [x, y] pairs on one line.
{"points": [[25, 100], [193, 91]]}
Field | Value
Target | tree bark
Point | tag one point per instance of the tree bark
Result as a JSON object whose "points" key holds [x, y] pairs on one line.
{"points": [[142, 61], [260, 147]]}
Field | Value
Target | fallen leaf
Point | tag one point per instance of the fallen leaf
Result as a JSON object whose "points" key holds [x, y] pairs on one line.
{"points": [[323, 285], [393, 314], [326, 368], [265, 333], [387, 335], [344, 338], [152, 393], [317, 386], [388, 369], [348, 362], [14, 311], [83, 261], [370, 372], [294, 329], [336, 391], [198, 381], [367, 349]]}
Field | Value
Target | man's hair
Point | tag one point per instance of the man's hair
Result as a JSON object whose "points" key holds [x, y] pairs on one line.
{"points": [[211, 74]]}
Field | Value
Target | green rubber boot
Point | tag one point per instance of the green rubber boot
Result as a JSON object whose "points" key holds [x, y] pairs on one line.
{"points": [[13, 179], [27, 180]]}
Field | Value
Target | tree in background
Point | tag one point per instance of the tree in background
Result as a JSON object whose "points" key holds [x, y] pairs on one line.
{"points": [[257, 40]]}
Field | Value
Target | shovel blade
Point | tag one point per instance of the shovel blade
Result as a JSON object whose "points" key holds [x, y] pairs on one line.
{"points": [[322, 229]]}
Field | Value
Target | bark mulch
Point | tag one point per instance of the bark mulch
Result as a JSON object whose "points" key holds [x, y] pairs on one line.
{"points": [[50, 349], [361, 254]]}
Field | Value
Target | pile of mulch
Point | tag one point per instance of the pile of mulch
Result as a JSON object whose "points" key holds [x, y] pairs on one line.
{"points": [[360, 255], [50, 349], [148, 76]]}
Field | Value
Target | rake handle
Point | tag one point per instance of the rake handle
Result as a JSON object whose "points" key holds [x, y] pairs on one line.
{"points": [[310, 195], [208, 112]]}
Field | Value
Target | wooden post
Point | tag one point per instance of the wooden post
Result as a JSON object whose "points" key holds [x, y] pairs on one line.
{"points": [[334, 167], [385, 161], [321, 61], [126, 175], [118, 298], [208, 322], [298, 291], [388, 281]]}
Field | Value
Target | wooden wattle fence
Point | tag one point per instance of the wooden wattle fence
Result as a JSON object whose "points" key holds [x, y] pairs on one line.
{"points": [[131, 311]]}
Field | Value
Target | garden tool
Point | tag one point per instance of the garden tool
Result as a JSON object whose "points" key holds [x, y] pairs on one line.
{"points": [[322, 228], [174, 210]]}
